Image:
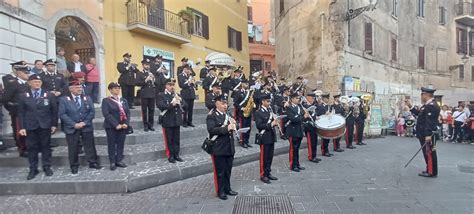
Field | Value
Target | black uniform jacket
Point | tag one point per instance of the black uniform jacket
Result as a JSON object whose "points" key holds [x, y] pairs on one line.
{"points": [[38, 113], [187, 90], [224, 143], [54, 82], [174, 114], [127, 76], [147, 89], [295, 117], [12, 95], [263, 123], [427, 120]]}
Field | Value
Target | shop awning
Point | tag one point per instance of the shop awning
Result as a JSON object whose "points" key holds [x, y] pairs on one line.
{"points": [[220, 59]]}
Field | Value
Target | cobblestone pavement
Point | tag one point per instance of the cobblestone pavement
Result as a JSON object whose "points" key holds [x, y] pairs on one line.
{"points": [[369, 179]]}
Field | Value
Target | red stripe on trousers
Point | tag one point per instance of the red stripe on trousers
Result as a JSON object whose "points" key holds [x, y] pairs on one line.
{"points": [[216, 184], [166, 143], [322, 146], [241, 134], [347, 138], [291, 152], [356, 135], [430, 160], [334, 144], [262, 153], [17, 129], [310, 148]]}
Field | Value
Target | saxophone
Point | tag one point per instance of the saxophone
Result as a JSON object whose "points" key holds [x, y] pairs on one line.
{"points": [[250, 105]]}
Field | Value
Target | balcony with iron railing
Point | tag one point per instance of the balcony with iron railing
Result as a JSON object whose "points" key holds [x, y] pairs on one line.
{"points": [[143, 18], [464, 13]]}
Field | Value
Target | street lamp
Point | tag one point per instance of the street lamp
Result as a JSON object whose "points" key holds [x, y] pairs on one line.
{"points": [[464, 61]]}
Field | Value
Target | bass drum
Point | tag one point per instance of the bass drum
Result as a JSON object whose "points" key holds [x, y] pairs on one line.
{"points": [[331, 126]]}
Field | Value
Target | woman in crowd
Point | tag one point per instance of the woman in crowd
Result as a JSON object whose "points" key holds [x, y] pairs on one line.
{"points": [[444, 120], [400, 125], [116, 123], [92, 79]]}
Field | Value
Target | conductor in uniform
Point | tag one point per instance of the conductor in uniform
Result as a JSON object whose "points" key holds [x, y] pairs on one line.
{"points": [[127, 78], [15, 86], [53, 81], [265, 123], [426, 126], [146, 81], [220, 127], [188, 93], [77, 112], [171, 107], [38, 113], [296, 115]]}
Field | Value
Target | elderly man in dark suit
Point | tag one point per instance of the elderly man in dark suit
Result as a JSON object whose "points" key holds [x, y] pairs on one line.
{"points": [[77, 112], [38, 113]]}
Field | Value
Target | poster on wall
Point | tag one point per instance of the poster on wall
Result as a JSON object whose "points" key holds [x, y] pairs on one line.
{"points": [[376, 117], [348, 83]]}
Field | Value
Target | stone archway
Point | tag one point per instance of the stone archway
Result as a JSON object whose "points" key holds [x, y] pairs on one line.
{"points": [[72, 34], [95, 31]]}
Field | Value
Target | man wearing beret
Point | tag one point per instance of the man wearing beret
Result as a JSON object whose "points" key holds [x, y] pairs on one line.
{"points": [[15, 86], [76, 111], [426, 126], [38, 114]]}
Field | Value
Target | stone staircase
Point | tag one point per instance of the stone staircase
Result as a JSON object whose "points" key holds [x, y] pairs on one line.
{"points": [[144, 153]]}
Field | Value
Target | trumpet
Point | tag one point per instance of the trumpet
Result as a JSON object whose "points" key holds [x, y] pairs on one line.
{"points": [[163, 69], [132, 65], [150, 77]]}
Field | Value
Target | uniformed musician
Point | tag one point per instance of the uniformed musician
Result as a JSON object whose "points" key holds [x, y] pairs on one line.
{"points": [[171, 106], [15, 86], [116, 123], [188, 93], [211, 96], [220, 127], [266, 89], [322, 109], [76, 112], [38, 119], [147, 83], [282, 102], [53, 81], [360, 124], [210, 80], [298, 85], [338, 109], [204, 71], [159, 70], [241, 99], [426, 126], [265, 123], [296, 115], [184, 63], [310, 129], [127, 79], [350, 122]]}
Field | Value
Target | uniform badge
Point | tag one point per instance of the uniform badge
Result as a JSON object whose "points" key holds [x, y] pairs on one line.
{"points": [[429, 114], [46, 102]]}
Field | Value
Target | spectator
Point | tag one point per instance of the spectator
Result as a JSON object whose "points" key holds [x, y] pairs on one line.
{"points": [[460, 118], [450, 121], [471, 124], [400, 125], [76, 65], [61, 64], [92, 79], [38, 69], [410, 124], [444, 120]]}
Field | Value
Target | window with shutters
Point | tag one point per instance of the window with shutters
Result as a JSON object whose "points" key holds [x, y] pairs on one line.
{"points": [[394, 49], [472, 74], [200, 24], [461, 41], [461, 72], [282, 7], [421, 8], [421, 57], [249, 14], [471, 43], [395, 8], [368, 43], [442, 16], [234, 39]]}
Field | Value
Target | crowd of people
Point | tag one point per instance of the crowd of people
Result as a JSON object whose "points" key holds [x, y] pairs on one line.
{"points": [[455, 123]]}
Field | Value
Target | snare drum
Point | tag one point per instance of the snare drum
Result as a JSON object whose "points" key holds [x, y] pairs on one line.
{"points": [[331, 126]]}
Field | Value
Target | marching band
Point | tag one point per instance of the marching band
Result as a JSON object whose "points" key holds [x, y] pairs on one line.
{"points": [[278, 109]]}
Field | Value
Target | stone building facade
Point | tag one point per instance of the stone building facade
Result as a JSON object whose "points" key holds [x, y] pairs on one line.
{"points": [[389, 52]]}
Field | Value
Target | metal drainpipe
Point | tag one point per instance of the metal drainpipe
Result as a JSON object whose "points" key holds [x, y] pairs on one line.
{"points": [[322, 15]]}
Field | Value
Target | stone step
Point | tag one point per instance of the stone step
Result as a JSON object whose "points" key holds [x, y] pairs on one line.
{"points": [[134, 178], [138, 137], [133, 154]]}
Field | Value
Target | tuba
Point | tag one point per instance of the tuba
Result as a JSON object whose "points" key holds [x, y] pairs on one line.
{"points": [[366, 98], [355, 106]]}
